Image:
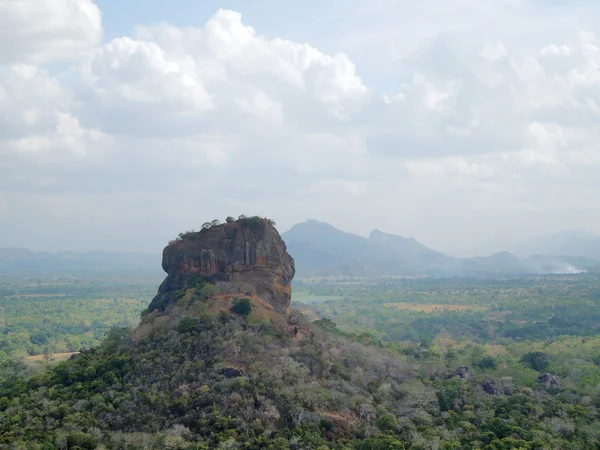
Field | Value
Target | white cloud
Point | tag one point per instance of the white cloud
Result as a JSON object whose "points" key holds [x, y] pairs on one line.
{"points": [[222, 116], [126, 71], [40, 30], [260, 105], [555, 50], [68, 136]]}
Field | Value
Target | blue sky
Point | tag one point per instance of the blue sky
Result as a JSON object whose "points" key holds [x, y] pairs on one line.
{"points": [[296, 20]]}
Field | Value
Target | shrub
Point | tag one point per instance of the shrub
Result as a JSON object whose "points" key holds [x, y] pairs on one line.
{"points": [[187, 324], [326, 323], [387, 422], [536, 360], [326, 424], [241, 306], [486, 362], [254, 221]]}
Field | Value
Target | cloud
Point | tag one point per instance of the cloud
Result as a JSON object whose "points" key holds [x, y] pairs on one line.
{"points": [[43, 30], [206, 121], [130, 72]]}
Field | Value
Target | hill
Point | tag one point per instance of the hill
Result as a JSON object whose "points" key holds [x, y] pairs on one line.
{"points": [[321, 250], [214, 366]]}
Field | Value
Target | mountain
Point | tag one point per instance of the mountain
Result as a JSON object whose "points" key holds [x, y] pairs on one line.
{"points": [[321, 249], [23, 261], [569, 243]]}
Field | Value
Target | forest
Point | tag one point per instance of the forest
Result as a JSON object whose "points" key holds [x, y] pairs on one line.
{"points": [[392, 363], [47, 314]]}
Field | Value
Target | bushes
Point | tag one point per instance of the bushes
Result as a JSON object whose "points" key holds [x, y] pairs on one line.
{"points": [[187, 325], [253, 222], [536, 360], [241, 306], [487, 362]]}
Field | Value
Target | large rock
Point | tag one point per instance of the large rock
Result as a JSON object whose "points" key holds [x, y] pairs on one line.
{"points": [[463, 373], [550, 380], [243, 257]]}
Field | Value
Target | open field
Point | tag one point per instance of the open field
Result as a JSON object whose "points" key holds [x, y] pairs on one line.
{"points": [[433, 307], [306, 297], [58, 357], [35, 295]]}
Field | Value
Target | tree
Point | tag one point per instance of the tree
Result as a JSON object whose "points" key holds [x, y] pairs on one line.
{"points": [[241, 306], [487, 362], [215, 223], [326, 323], [536, 360], [206, 225], [187, 324], [387, 422], [230, 219]]}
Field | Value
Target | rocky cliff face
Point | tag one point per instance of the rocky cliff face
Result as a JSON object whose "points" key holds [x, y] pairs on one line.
{"points": [[239, 257]]}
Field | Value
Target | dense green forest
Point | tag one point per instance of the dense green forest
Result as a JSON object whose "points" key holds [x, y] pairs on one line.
{"points": [[67, 313], [418, 310], [367, 364]]}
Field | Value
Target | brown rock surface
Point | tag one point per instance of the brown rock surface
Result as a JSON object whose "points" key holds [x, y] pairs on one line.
{"points": [[246, 256]]}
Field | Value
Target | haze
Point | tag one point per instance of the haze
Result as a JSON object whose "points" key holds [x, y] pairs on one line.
{"points": [[457, 122]]}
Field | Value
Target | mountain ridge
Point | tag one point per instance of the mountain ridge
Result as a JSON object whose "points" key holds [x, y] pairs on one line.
{"points": [[322, 249]]}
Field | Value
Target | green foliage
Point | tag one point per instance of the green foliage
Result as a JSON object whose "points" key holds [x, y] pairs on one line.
{"points": [[187, 325], [536, 360], [331, 385], [326, 324], [206, 291], [51, 314], [326, 424], [387, 422], [382, 442], [254, 221], [487, 362], [241, 306]]}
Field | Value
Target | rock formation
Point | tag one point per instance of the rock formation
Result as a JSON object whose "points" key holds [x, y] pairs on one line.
{"points": [[550, 380], [243, 257], [463, 373], [489, 388]]}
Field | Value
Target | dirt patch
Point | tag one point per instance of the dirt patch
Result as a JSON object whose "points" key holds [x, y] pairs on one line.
{"points": [[54, 357]]}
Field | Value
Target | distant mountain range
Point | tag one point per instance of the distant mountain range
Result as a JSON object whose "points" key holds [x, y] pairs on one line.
{"points": [[22, 261], [321, 249], [572, 243]]}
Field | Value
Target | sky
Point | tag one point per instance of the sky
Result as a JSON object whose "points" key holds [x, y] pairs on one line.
{"points": [[457, 122]]}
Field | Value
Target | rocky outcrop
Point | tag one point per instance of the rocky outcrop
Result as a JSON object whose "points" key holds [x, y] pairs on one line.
{"points": [[246, 257], [489, 388], [464, 373], [550, 380]]}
